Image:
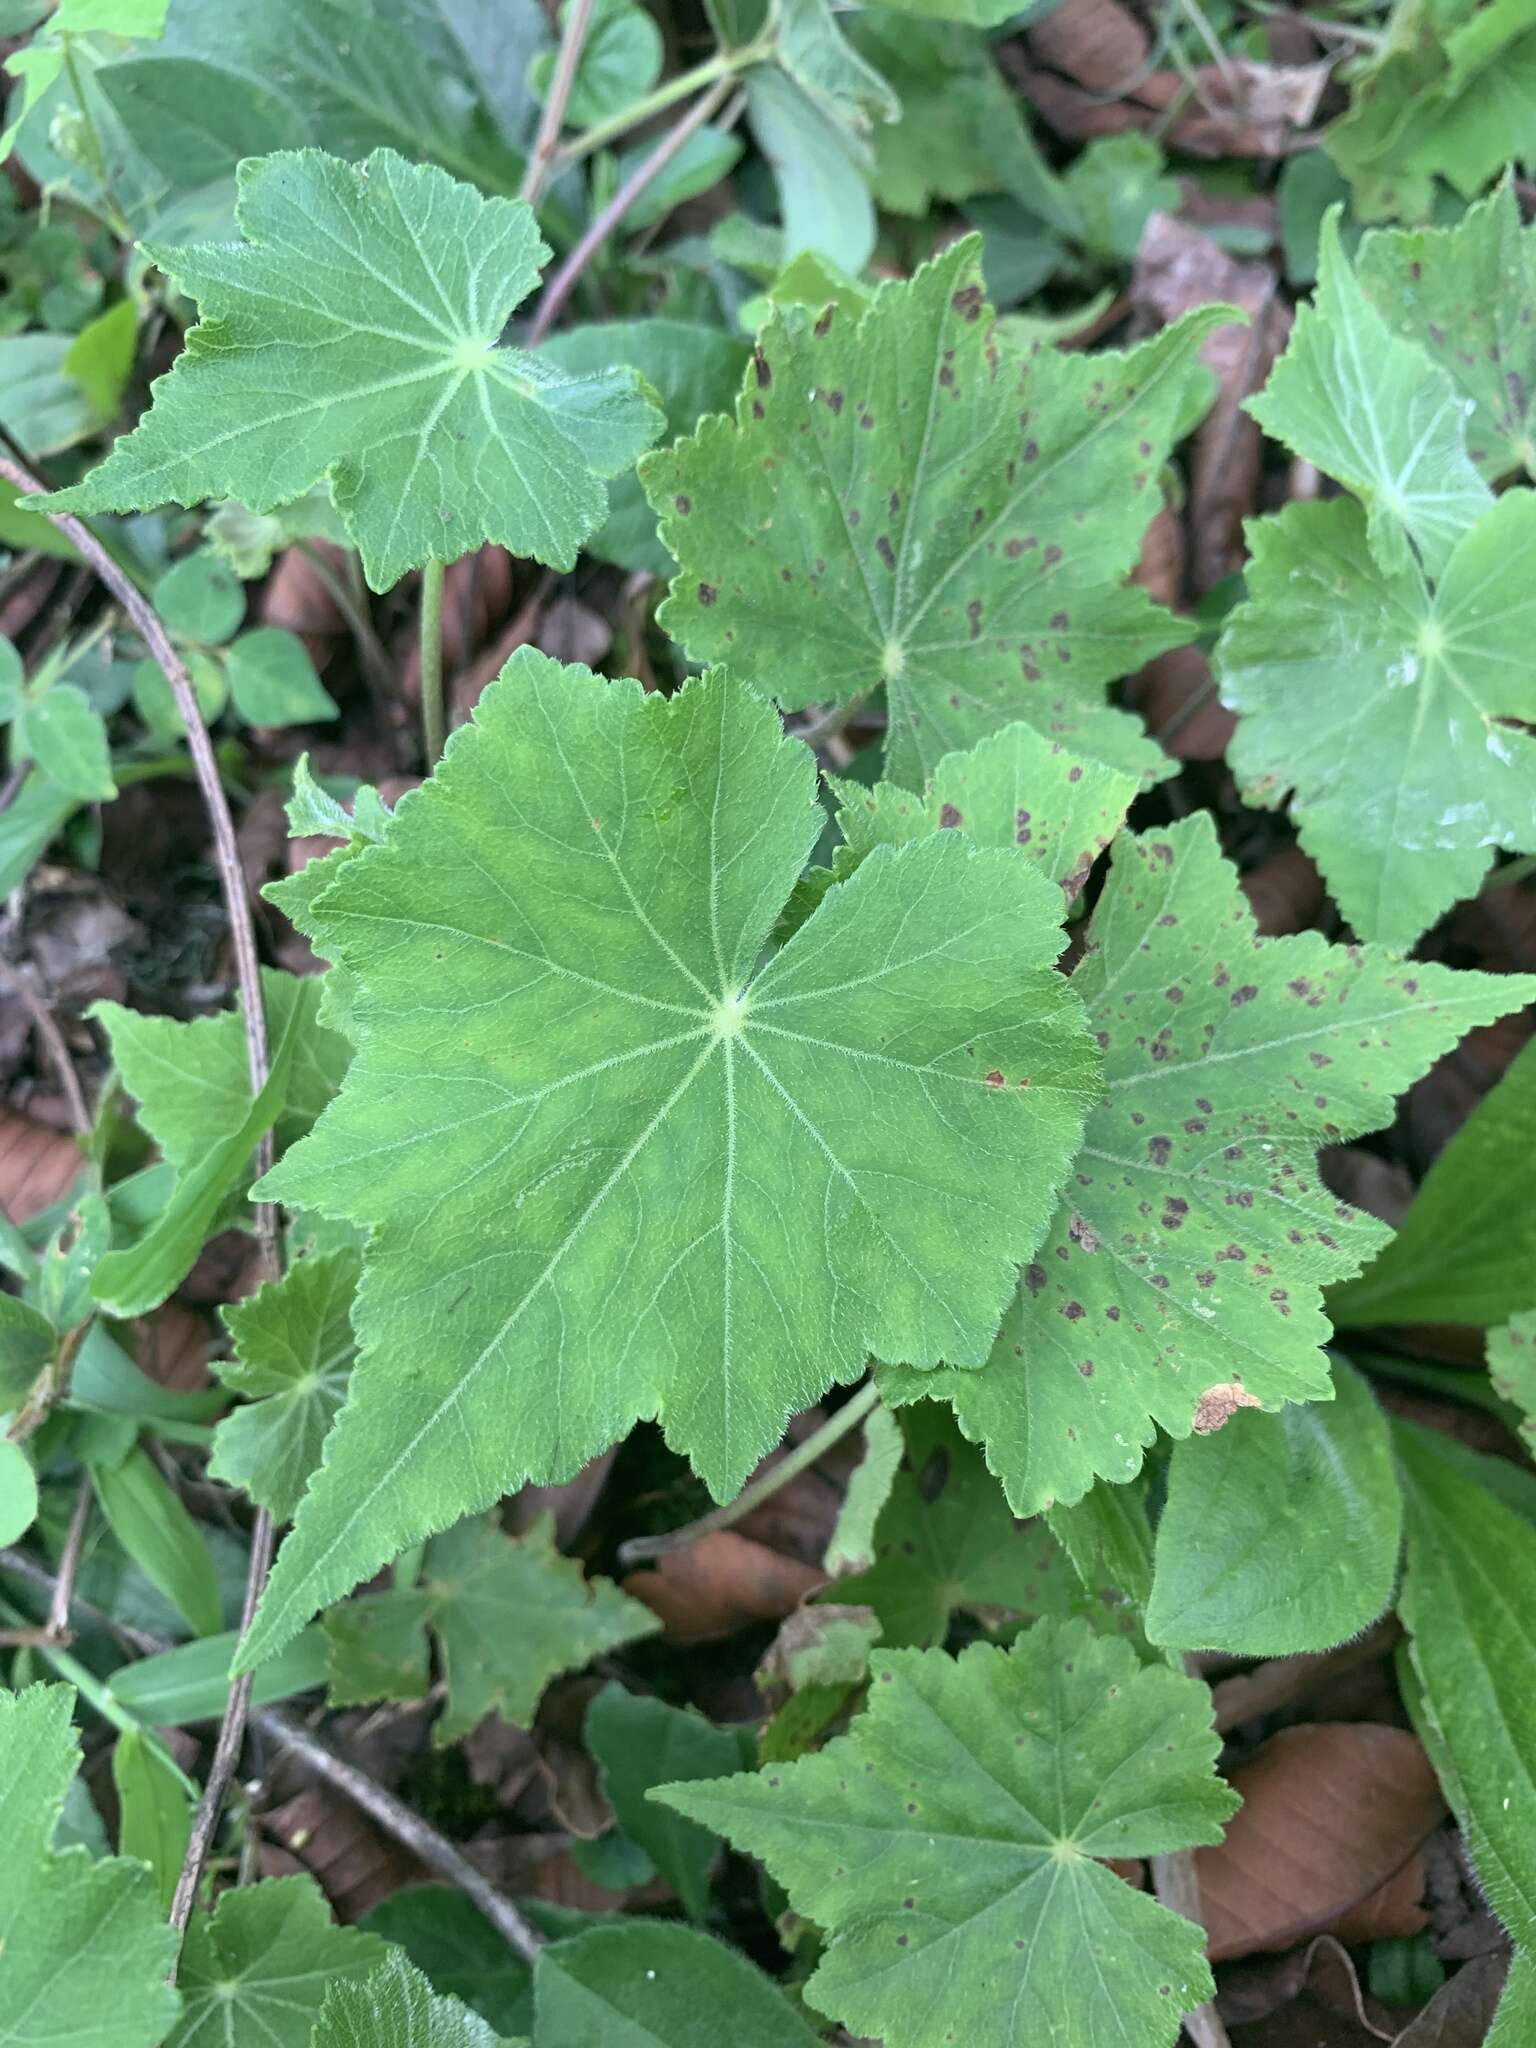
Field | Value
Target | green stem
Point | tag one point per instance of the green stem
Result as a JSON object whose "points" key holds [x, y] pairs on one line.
{"points": [[432, 733], [116, 219], [723, 65], [790, 1466]]}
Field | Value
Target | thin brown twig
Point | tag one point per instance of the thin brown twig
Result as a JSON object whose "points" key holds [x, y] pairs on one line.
{"points": [[141, 616], [43, 1022], [391, 1814], [69, 1564], [573, 36], [563, 283]]}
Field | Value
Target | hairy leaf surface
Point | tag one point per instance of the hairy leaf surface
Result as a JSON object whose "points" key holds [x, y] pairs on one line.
{"points": [[354, 335], [1376, 413], [395, 2007], [609, 1169], [1182, 1274], [915, 500], [947, 1844], [84, 1951], [1386, 708]]}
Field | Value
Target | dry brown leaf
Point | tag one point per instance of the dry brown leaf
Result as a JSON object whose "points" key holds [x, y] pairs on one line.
{"points": [[1285, 892], [570, 1503], [723, 1582], [173, 1347], [37, 1165], [1461, 2011], [573, 631], [1393, 1911], [354, 1865], [1330, 1812], [1098, 43], [295, 596], [1176, 695], [1310, 1996], [1160, 570]]}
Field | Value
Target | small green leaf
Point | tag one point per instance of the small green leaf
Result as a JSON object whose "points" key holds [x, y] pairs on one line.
{"points": [[647, 1984], [161, 1538], [68, 741], [155, 704], [946, 1539], [251, 541], [1378, 415], [101, 359], [395, 2008], [1388, 711], [852, 1544], [619, 62], [191, 1682], [155, 1820], [1467, 296], [84, 1951], [509, 1614], [1108, 1537], [200, 599], [818, 165], [641, 1743], [27, 1341], [13, 680], [293, 1351], [1469, 1605], [1512, 1367], [1466, 1250], [1116, 185], [1280, 1532], [948, 1844], [18, 1492], [1182, 1275], [354, 334], [771, 1173], [255, 1972], [273, 680], [913, 500]]}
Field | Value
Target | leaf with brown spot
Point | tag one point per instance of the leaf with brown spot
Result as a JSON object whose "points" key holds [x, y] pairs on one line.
{"points": [[1001, 489], [1330, 1812], [1229, 1060]]}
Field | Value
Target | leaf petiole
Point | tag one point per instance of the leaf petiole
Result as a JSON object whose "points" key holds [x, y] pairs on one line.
{"points": [[432, 733], [724, 64]]}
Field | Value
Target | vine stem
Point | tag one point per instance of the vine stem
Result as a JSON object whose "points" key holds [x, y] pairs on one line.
{"points": [[640, 1549], [573, 36], [563, 283], [725, 64], [242, 932], [432, 722]]}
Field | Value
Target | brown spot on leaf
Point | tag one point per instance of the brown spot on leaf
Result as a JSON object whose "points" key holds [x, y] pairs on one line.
{"points": [[707, 594], [1219, 1404], [949, 816]]}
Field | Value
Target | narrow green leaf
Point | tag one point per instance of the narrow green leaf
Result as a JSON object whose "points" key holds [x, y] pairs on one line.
{"points": [[27, 1341], [1469, 1605], [1280, 1533], [161, 1538], [155, 1822], [191, 1682], [18, 1492], [647, 1984], [355, 334], [293, 1352], [769, 1176], [1378, 415], [255, 1972], [916, 501], [84, 1951], [65, 735], [1182, 1275], [948, 1844], [852, 1544], [1388, 712], [641, 1743], [1466, 1251]]}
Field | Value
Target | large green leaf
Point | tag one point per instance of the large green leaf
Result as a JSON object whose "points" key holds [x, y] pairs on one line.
{"points": [[1466, 1252], [84, 1952], [1467, 296], [947, 1844], [918, 501], [354, 334], [1386, 708], [1183, 1272], [255, 1972], [293, 1351], [508, 1614], [675, 1185], [1376, 413], [395, 2008], [1469, 1605], [640, 1743], [645, 1984], [1280, 1532], [946, 1539]]}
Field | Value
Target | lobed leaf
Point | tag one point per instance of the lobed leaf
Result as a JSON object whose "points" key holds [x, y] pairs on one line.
{"points": [[354, 336], [609, 1169], [395, 2007], [947, 1844], [1182, 1275], [254, 1973], [913, 500]]}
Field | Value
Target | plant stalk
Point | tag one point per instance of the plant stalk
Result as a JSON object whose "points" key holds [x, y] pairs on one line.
{"points": [[433, 734], [723, 65], [573, 36]]}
